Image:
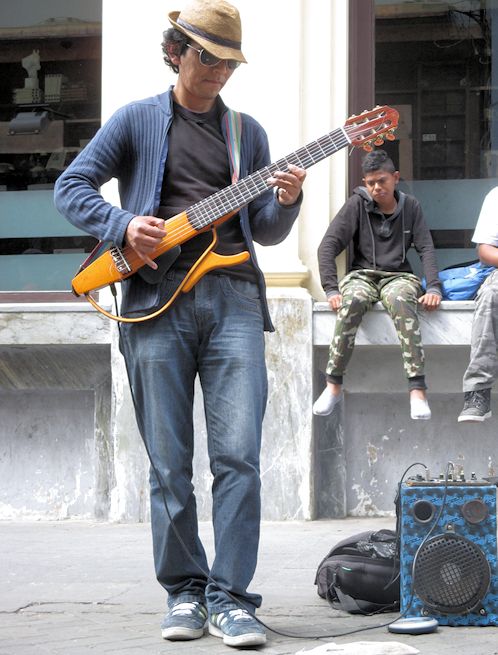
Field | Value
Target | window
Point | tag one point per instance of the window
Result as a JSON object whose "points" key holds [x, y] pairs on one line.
{"points": [[437, 63], [50, 90]]}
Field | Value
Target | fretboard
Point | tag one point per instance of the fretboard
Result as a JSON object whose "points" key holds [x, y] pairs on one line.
{"points": [[208, 210]]}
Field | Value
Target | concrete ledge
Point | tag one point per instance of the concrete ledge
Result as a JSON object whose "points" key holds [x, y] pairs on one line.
{"points": [[45, 307], [52, 324], [449, 325]]}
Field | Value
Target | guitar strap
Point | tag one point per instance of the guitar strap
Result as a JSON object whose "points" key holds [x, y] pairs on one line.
{"points": [[233, 123]]}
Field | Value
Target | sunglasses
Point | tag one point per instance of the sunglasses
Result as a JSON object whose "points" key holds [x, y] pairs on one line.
{"points": [[207, 59]]}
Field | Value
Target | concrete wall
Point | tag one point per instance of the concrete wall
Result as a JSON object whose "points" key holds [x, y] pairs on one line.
{"points": [[55, 400], [362, 453], [69, 446]]}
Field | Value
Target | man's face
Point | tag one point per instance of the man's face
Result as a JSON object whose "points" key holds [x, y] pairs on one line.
{"points": [[381, 185], [198, 81]]}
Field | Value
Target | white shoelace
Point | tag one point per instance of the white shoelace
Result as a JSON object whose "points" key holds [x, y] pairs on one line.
{"points": [[236, 615], [183, 608]]}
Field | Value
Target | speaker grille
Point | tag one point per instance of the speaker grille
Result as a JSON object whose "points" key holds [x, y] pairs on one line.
{"points": [[451, 574]]}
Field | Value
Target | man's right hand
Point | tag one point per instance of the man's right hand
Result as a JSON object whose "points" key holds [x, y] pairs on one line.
{"points": [[144, 234], [335, 302]]}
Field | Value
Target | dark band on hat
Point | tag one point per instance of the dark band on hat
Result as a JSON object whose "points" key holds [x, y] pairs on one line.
{"points": [[227, 43]]}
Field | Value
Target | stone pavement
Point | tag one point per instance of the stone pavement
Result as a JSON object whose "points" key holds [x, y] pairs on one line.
{"points": [[79, 588]]}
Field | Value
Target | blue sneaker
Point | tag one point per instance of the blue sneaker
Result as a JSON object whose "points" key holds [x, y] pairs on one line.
{"points": [[237, 628], [183, 621]]}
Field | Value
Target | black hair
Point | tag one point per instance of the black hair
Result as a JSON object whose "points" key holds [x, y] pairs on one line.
{"points": [[377, 160], [174, 42]]}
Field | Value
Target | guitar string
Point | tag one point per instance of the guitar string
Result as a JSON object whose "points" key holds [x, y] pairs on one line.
{"points": [[200, 214]]}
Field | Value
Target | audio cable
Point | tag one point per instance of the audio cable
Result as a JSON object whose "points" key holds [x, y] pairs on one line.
{"points": [[207, 575]]}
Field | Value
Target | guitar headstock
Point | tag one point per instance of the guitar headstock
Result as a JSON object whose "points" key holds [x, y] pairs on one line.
{"points": [[371, 128]]}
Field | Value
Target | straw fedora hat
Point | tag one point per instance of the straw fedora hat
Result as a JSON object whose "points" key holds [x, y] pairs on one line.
{"points": [[214, 25]]}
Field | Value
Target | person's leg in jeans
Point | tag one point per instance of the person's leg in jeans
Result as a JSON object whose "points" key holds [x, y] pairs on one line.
{"points": [[482, 369], [161, 357], [234, 382]]}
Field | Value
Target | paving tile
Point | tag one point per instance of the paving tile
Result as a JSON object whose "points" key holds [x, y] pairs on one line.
{"points": [[88, 589]]}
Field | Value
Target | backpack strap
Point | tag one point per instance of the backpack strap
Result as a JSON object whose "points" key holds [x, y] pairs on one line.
{"points": [[233, 122], [348, 603], [357, 606]]}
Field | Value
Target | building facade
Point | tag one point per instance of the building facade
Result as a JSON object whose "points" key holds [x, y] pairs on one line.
{"points": [[69, 446]]}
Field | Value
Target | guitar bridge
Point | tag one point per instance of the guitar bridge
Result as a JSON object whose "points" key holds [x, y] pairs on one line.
{"points": [[120, 262]]}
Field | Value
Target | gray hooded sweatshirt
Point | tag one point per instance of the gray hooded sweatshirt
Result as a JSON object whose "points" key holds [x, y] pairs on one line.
{"points": [[378, 242]]}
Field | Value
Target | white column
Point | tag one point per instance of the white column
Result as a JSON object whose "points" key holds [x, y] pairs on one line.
{"points": [[269, 87], [324, 102]]}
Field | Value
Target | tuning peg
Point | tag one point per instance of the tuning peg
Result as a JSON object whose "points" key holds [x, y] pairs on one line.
{"points": [[367, 147], [379, 141], [390, 136]]}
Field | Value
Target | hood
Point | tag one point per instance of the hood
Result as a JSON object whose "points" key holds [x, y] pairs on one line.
{"points": [[385, 227], [371, 206], [377, 222]]}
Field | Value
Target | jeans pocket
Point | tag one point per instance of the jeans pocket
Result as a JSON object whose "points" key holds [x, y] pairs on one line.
{"points": [[245, 293]]}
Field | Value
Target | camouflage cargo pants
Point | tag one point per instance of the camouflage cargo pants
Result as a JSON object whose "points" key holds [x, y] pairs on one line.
{"points": [[482, 370], [398, 292]]}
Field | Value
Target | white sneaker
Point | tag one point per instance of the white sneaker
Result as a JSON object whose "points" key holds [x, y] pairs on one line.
{"points": [[419, 409], [326, 402]]}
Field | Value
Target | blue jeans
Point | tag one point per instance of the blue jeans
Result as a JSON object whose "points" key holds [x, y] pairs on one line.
{"points": [[482, 370], [215, 331]]}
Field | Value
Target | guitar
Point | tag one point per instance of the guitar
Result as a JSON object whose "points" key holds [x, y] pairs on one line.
{"points": [[116, 264]]}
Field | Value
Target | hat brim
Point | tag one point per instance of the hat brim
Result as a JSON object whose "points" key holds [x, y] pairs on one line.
{"points": [[215, 49]]}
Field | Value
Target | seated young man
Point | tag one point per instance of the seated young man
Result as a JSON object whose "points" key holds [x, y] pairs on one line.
{"points": [[482, 370], [381, 223]]}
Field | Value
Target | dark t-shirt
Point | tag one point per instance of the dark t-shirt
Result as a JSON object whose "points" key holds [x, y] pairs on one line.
{"points": [[197, 166]]}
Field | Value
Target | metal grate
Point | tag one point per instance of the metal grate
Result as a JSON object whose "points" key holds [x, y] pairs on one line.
{"points": [[451, 574]]}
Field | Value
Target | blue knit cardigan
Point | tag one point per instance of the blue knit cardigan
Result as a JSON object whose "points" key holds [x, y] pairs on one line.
{"points": [[132, 147]]}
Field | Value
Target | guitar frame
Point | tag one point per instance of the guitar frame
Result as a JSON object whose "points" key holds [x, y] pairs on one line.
{"points": [[208, 261]]}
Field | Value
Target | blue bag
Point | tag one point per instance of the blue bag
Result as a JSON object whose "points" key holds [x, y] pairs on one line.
{"points": [[462, 282]]}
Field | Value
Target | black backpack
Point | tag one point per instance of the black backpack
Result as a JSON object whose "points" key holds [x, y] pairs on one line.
{"points": [[361, 574]]}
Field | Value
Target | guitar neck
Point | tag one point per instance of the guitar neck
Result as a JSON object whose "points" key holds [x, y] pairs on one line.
{"points": [[231, 198]]}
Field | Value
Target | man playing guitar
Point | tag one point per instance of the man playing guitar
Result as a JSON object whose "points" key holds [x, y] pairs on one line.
{"points": [[168, 152]]}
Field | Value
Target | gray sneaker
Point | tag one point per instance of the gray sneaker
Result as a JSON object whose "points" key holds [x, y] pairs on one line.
{"points": [[476, 407], [237, 628], [184, 620]]}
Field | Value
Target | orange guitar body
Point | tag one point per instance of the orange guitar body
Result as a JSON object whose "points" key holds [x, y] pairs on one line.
{"points": [[105, 270]]}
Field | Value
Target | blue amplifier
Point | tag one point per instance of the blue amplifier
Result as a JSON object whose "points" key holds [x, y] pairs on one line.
{"points": [[448, 551]]}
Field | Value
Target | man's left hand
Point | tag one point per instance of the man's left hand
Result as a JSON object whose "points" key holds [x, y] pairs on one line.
{"points": [[430, 301], [289, 184]]}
